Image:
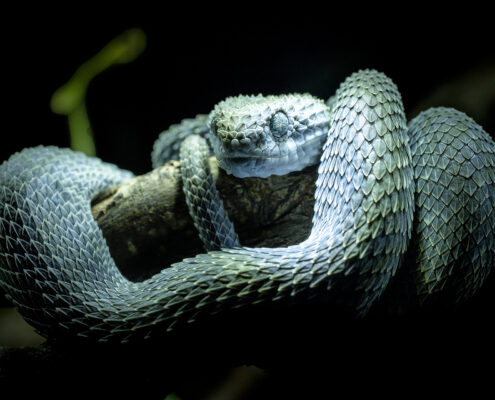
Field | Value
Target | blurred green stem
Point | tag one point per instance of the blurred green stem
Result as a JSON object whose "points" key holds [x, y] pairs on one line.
{"points": [[69, 99], [81, 135]]}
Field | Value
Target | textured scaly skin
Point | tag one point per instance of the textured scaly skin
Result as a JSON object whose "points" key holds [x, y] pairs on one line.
{"points": [[167, 146], [180, 141], [244, 127], [253, 136], [454, 238], [56, 267], [215, 229]]}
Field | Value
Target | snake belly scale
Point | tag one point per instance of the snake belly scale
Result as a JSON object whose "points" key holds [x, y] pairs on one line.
{"points": [[379, 183]]}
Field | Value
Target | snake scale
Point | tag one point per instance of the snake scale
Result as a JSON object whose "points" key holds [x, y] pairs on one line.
{"points": [[383, 187]]}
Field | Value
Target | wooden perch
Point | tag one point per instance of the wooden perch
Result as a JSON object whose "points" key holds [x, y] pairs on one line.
{"points": [[147, 225]]}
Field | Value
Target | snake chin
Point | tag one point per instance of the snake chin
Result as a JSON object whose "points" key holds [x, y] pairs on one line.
{"points": [[263, 167], [244, 167], [256, 164]]}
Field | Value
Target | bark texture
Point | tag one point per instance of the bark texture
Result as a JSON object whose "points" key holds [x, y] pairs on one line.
{"points": [[147, 225]]}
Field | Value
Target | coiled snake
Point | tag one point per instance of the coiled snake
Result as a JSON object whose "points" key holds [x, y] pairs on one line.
{"points": [[379, 184]]}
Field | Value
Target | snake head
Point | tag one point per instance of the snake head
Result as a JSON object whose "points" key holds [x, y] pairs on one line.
{"points": [[268, 135]]}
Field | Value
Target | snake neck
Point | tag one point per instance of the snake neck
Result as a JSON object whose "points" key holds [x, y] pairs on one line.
{"points": [[365, 190]]}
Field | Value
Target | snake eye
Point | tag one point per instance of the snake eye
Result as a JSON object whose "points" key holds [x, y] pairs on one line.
{"points": [[279, 124]]}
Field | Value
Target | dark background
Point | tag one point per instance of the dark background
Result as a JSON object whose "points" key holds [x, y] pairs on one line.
{"points": [[192, 63]]}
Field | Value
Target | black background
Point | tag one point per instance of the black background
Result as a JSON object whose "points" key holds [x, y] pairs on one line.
{"points": [[193, 60]]}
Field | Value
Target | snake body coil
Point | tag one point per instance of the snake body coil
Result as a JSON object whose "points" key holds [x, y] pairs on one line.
{"points": [[376, 187]]}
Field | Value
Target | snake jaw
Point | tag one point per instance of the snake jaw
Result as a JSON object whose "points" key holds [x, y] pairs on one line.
{"points": [[257, 164], [268, 135]]}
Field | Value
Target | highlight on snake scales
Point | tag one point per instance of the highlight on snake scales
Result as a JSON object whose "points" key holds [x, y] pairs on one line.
{"points": [[387, 191]]}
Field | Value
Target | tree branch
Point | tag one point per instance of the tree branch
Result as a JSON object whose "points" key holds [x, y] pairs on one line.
{"points": [[147, 225]]}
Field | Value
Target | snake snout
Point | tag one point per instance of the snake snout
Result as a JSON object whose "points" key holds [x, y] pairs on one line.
{"points": [[268, 135]]}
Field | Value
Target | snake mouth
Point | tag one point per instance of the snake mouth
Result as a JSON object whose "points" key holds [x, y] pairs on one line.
{"points": [[245, 158], [243, 166], [276, 160], [263, 167]]}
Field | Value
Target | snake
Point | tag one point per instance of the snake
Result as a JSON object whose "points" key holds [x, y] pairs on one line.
{"points": [[385, 191]]}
